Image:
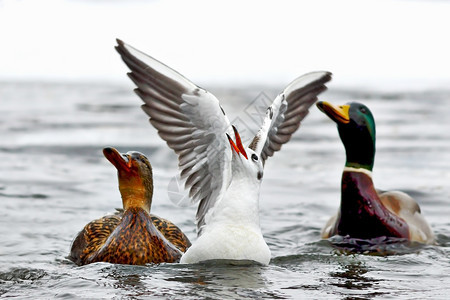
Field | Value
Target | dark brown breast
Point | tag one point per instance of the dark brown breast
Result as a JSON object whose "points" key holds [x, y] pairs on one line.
{"points": [[362, 215]]}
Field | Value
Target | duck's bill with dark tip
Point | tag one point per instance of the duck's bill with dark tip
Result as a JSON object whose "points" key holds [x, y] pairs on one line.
{"points": [[119, 160], [339, 114]]}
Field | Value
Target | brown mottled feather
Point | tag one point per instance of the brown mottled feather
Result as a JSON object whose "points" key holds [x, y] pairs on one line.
{"points": [[101, 240], [172, 233]]}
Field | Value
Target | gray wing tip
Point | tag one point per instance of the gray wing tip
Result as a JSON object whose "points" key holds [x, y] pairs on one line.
{"points": [[323, 72], [306, 82], [324, 76], [149, 66], [120, 47], [328, 76], [124, 53]]}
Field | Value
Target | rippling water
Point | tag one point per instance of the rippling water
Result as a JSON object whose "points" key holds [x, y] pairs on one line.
{"points": [[54, 179]]}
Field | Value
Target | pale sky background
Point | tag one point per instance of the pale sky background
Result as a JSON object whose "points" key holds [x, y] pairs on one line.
{"points": [[369, 43]]}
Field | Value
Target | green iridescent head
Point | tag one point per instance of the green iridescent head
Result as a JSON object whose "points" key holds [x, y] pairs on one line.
{"points": [[356, 127]]}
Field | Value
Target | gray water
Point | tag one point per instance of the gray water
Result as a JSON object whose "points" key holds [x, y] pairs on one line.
{"points": [[54, 179]]}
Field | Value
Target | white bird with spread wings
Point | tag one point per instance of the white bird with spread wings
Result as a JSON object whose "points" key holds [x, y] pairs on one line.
{"points": [[222, 175]]}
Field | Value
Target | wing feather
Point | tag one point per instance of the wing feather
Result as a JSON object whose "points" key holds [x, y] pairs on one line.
{"points": [[287, 111], [190, 120]]}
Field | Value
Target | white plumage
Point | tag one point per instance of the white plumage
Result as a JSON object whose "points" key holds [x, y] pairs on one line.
{"points": [[224, 177]]}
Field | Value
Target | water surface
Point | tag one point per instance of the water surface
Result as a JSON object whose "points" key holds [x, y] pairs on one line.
{"points": [[54, 179]]}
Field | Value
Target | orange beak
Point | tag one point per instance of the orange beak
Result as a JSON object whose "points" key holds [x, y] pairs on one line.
{"points": [[117, 159], [238, 147], [339, 114]]}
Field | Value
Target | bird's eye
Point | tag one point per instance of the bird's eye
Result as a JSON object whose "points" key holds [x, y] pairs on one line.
{"points": [[254, 157], [363, 110]]}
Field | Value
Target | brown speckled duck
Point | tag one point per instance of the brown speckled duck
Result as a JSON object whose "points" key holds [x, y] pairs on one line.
{"points": [[131, 236], [365, 212]]}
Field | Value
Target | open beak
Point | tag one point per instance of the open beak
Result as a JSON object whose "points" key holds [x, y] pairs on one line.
{"points": [[237, 147], [121, 162], [339, 114]]}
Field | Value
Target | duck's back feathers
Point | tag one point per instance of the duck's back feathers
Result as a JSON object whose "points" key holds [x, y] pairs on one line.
{"points": [[89, 245], [172, 233], [93, 237], [402, 205], [135, 241]]}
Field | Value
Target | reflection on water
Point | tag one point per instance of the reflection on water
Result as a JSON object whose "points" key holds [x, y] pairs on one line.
{"points": [[353, 279], [54, 179], [351, 276], [129, 279]]}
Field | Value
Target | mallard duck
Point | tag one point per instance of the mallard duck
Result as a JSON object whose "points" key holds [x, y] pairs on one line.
{"points": [[222, 175], [366, 212], [131, 236]]}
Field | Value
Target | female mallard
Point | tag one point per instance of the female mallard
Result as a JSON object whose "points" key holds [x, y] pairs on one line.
{"points": [[132, 236], [365, 212]]}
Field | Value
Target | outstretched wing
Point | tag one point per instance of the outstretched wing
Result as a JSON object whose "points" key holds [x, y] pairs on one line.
{"points": [[190, 120], [288, 109]]}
